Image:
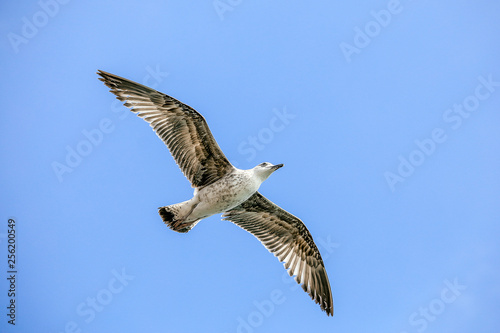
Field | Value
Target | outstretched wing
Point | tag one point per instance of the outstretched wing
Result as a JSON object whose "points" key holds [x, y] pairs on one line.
{"points": [[287, 238], [184, 131]]}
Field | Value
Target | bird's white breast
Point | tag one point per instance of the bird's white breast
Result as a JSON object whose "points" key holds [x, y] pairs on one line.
{"points": [[226, 193]]}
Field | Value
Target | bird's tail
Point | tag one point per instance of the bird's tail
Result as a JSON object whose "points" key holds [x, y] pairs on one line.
{"points": [[175, 216]]}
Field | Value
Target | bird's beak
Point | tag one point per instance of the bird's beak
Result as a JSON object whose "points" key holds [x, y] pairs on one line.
{"points": [[277, 166]]}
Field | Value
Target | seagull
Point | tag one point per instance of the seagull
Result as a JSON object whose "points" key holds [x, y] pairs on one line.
{"points": [[221, 188]]}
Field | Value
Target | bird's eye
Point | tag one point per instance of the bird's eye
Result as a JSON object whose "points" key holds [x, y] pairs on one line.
{"points": [[262, 164]]}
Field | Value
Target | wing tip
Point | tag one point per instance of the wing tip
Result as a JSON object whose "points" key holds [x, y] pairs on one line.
{"points": [[107, 78], [328, 307], [103, 74], [325, 301], [320, 296]]}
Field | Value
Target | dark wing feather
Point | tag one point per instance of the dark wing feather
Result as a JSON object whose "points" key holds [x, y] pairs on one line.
{"points": [[184, 131], [287, 238]]}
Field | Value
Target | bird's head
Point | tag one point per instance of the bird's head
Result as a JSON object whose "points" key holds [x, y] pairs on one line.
{"points": [[264, 170]]}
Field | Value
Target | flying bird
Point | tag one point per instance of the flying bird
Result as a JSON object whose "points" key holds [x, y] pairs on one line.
{"points": [[219, 187]]}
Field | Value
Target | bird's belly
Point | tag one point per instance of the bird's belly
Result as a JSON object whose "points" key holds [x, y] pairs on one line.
{"points": [[220, 197]]}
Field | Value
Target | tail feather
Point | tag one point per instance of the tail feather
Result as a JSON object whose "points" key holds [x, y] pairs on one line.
{"points": [[174, 215]]}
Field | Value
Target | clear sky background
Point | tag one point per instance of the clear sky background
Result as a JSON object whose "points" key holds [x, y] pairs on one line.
{"points": [[385, 114]]}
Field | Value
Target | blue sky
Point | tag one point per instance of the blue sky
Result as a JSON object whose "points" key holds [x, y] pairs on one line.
{"points": [[385, 114]]}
